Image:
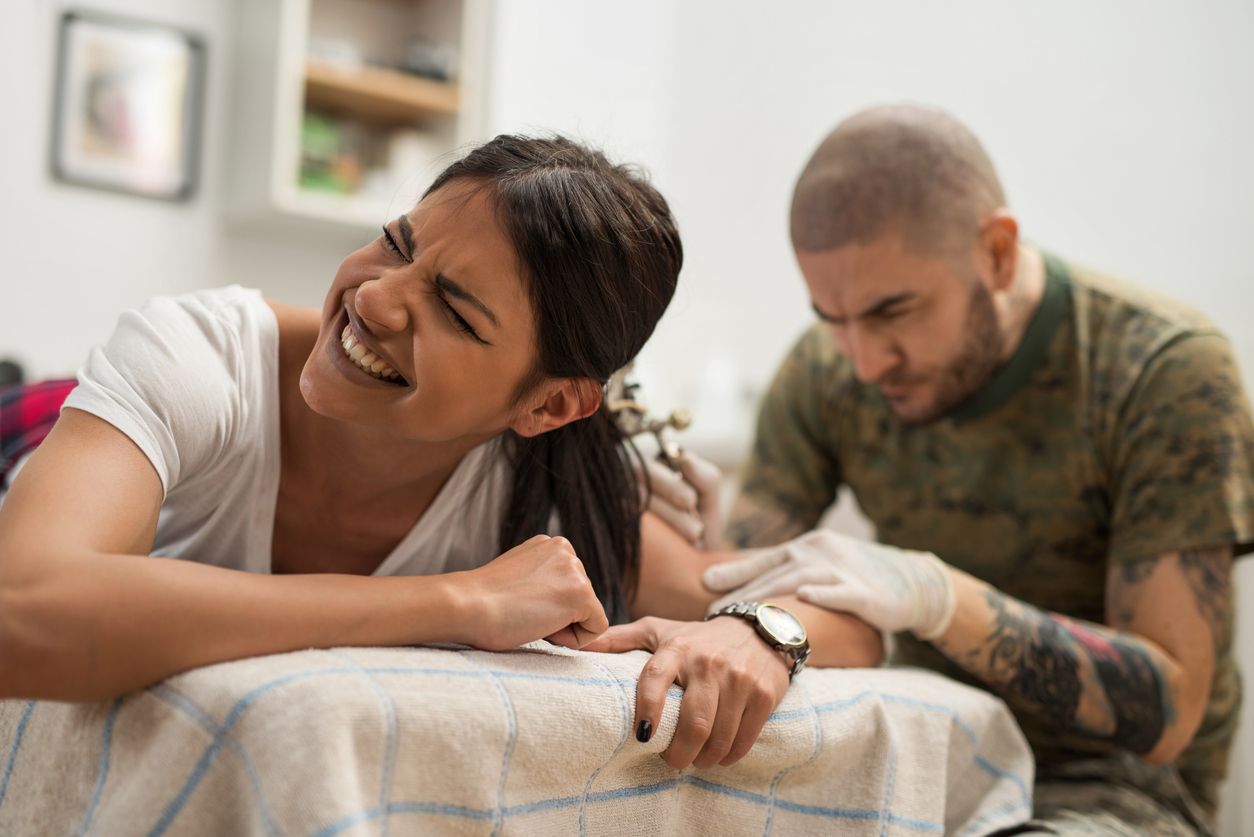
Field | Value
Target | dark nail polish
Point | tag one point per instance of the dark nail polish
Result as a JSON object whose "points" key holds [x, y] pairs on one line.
{"points": [[644, 731]]}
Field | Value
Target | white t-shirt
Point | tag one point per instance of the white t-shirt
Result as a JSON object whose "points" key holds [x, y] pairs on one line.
{"points": [[193, 381]]}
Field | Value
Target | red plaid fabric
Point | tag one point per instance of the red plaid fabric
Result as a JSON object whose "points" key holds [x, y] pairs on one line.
{"points": [[27, 413]]}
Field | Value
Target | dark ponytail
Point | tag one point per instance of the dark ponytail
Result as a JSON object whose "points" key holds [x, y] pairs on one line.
{"points": [[580, 471], [602, 255]]}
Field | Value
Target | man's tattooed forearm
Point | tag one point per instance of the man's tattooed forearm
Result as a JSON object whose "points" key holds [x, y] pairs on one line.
{"points": [[1130, 678], [1037, 659], [1037, 668]]}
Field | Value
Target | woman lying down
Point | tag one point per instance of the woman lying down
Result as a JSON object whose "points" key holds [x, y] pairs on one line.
{"points": [[383, 472]]}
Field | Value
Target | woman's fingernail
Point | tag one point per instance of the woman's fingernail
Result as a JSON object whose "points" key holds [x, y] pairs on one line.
{"points": [[644, 731]]}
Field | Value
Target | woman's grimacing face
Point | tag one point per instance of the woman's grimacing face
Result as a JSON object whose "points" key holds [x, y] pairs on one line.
{"points": [[447, 309]]}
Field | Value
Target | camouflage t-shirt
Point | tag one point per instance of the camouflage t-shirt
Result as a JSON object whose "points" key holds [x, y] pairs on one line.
{"points": [[1117, 432]]}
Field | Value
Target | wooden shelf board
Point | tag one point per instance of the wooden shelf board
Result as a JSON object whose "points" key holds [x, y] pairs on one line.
{"points": [[377, 94]]}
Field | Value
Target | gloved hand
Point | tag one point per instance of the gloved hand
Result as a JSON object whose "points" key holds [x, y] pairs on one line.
{"points": [[688, 501], [889, 588]]}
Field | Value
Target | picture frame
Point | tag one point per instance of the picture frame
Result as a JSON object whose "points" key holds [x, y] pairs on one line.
{"points": [[127, 109]]}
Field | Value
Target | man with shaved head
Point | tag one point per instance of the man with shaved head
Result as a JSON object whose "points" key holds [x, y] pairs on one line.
{"points": [[903, 189], [1059, 467]]}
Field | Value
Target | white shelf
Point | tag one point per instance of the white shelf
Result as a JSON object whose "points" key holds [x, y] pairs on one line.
{"points": [[375, 94], [345, 210], [274, 79]]}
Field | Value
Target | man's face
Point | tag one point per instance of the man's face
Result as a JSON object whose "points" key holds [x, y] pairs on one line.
{"points": [[922, 329]]}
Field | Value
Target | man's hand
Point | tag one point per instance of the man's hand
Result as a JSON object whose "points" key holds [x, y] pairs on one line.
{"points": [[732, 682], [889, 588], [688, 501]]}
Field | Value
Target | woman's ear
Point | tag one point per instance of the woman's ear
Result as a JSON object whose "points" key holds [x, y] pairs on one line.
{"points": [[557, 403]]}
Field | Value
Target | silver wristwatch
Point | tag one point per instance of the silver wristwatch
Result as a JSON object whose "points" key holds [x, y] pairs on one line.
{"points": [[781, 630]]}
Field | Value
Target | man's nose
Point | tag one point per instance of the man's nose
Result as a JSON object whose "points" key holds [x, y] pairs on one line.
{"points": [[873, 355]]}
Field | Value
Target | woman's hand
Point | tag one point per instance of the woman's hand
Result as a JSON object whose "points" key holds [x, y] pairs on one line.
{"points": [[536, 590], [732, 682]]}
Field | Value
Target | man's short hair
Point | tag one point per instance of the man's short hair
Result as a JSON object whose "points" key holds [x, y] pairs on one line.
{"points": [[900, 167]]}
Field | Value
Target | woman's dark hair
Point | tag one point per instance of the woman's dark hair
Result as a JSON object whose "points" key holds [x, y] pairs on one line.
{"points": [[601, 253]]}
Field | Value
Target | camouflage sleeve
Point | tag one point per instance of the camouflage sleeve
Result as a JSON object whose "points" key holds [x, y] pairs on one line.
{"points": [[792, 473], [1183, 468]]}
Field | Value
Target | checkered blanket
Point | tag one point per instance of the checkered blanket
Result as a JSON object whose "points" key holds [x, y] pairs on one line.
{"points": [[535, 741], [27, 413]]}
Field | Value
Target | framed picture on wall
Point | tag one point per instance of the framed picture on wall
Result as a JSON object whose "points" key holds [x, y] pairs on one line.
{"points": [[127, 106]]}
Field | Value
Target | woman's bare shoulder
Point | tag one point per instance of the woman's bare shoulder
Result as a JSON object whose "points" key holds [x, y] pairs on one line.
{"points": [[294, 316], [298, 330]]}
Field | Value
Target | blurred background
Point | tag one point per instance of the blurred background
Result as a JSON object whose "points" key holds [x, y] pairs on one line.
{"points": [[1122, 130]]}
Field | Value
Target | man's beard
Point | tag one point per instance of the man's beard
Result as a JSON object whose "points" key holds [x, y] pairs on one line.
{"points": [[975, 365]]}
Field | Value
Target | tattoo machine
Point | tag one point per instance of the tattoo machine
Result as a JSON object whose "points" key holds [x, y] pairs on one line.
{"points": [[634, 419]]}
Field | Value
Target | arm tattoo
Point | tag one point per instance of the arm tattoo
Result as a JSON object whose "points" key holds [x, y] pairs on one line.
{"points": [[754, 524], [1037, 660], [1133, 573], [1207, 572], [1036, 665], [1122, 593], [1207, 575], [1132, 682]]}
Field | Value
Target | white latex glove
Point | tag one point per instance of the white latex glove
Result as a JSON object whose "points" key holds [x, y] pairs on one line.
{"points": [[688, 501], [891, 589]]}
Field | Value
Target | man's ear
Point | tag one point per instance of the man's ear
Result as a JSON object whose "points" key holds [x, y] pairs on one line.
{"points": [[997, 248], [557, 403]]}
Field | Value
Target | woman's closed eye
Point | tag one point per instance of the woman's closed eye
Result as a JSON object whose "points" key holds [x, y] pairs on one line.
{"points": [[459, 322], [389, 244]]}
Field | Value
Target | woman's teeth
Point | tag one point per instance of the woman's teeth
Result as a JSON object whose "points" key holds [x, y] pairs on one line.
{"points": [[365, 359]]}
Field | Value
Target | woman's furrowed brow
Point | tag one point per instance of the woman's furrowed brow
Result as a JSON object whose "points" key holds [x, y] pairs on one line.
{"points": [[458, 292], [407, 232]]}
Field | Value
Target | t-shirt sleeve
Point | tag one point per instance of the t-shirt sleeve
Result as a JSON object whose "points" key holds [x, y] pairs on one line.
{"points": [[1184, 455], [793, 468], [168, 378]]}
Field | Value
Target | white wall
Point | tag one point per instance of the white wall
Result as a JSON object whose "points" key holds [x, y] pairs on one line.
{"points": [[72, 257], [1123, 132]]}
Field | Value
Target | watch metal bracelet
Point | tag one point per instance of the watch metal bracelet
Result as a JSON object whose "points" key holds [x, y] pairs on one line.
{"points": [[798, 652]]}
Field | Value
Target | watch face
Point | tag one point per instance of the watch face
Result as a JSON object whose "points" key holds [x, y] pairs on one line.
{"points": [[781, 624]]}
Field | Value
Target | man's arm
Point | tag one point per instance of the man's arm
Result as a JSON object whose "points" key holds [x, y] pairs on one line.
{"points": [[1142, 681], [732, 680], [755, 523], [793, 470], [670, 587]]}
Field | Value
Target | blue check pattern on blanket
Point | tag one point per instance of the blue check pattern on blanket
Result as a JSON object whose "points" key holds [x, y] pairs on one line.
{"points": [[535, 741]]}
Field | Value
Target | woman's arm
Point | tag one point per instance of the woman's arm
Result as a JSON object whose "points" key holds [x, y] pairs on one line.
{"points": [[86, 614], [732, 679], [670, 587]]}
